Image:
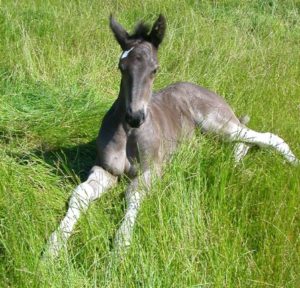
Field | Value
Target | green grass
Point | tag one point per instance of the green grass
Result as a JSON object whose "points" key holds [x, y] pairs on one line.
{"points": [[207, 223]]}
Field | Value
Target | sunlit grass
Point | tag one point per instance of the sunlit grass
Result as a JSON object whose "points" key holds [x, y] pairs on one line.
{"points": [[207, 223]]}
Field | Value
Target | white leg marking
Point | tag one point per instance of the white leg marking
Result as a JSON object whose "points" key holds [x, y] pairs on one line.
{"points": [[124, 234], [215, 122], [97, 183], [234, 132], [240, 151], [134, 196], [264, 140]]}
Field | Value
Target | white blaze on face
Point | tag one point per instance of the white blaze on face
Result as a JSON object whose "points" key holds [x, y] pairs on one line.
{"points": [[126, 53]]}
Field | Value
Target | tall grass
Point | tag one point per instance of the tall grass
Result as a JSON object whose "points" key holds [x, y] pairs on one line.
{"points": [[207, 223]]}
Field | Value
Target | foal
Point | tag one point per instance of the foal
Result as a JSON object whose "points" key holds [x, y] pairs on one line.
{"points": [[142, 128]]}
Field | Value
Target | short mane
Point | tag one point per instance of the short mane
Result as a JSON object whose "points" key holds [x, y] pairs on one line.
{"points": [[141, 32]]}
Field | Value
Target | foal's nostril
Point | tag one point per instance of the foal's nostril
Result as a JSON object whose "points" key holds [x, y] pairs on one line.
{"points": [[136, 119]]}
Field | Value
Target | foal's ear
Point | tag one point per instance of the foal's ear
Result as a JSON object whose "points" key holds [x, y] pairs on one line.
{"points": [[158, 31], [120, 33]]}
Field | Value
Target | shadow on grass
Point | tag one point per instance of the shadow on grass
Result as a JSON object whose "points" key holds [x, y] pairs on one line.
{"points": [[78, 159]]}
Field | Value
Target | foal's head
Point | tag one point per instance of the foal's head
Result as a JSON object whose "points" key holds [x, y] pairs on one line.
{"points": [[138, 65]]}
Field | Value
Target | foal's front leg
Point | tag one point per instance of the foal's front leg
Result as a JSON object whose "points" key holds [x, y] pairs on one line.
{"points": [[93, 188], [135, 194]]}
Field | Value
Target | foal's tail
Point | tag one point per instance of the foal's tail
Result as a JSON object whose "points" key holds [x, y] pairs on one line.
{"points": [[244, 119]]}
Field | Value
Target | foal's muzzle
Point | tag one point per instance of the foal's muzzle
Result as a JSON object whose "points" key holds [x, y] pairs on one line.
{"points": [[135, 119]]}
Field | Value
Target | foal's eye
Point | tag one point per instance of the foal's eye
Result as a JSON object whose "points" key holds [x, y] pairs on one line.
{"points": [[154, 71]]}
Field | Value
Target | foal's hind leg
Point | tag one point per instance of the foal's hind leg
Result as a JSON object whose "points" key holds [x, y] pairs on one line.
{"points": [[234, 130], [215, 123], [94, 187], [240, 151], [244, 134]]}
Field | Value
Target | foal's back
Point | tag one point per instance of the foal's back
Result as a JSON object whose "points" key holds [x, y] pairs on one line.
{"points": [[183, 105]]}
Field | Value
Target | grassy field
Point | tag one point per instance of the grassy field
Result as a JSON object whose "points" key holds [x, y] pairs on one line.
{"points": [[207, 223]]}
